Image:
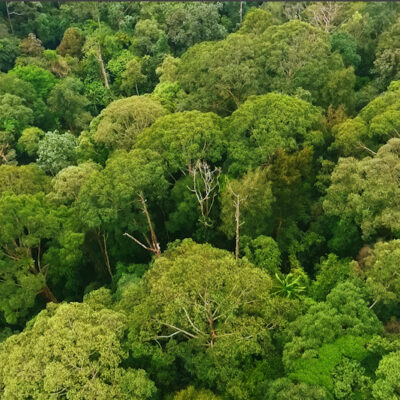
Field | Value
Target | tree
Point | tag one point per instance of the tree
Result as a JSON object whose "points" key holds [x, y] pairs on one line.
{"points": [[387, 55], [149, 38], [373, 126], [365, 192], [68, 182], [120, 123], [347, 47], [215, 314], [29, 141], [187, 24], [299, 55], [31, 46], [290, 286], [69, 105], [381, 272], [183, 138], [109, 203], [9, 51], [36, 244], [254, 193], [263, 252], [330, 272], [285, 389], [266, 123], [345, 312], [190, 393], [256, 22], [73, 350], [24, 179], [132, 77], [219, 76], [14, 116], [56, 151], [42, 81], [323, 15], [386, 385], [71, 43], [10, 84]]}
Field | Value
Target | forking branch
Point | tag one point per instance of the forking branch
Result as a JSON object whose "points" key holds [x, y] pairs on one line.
{"points": [[205, 183], [152, 244]]}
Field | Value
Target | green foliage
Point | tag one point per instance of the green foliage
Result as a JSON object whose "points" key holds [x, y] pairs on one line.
{"points": [[183, 138], [345, 312], [266, 123], [25, 179], [69, 105], [289, 286], [365, 192], [110, 198], [119, 124], [204, 307], [380, 269], [33, 236], [75, 350], [192, 394], [330, 272], [68, 182], [14, 116], [253, 192], [71, 43], [9, 51], [285, 389], [263, 252], [56, 151], [268, 133], [29, 140], [330, 362], [374, 125], [387, 383], [188, 24], [347, 47], [41, 80]]}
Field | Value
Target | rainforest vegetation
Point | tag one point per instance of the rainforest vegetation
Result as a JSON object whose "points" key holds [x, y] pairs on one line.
{"points": [[199, 201]]}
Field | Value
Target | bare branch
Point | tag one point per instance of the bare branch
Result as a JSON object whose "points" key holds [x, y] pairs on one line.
{"points": [[205, 184]]}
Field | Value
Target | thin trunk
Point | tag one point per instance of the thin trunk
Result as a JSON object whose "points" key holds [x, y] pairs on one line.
{"points": [[9, 18], [279, 227], [137, 91], [103, 248], [373, 304], [103, 69], [152, 245], [237, 219], [48, 295], [108, 265], [241, 11], [154, 241], [99, 56]]}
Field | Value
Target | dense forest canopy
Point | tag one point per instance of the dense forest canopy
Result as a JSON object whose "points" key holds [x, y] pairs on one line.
{"points": [[199, 201]]}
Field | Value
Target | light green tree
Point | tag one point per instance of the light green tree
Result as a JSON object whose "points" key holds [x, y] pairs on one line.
{"points": [[120, 123], [71, 351], [183, 138], [366, 191]]}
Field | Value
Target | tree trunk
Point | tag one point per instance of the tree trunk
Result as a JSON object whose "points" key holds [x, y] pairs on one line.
{"points": [[103, 69], [48, 295], [9, 18], [237, 219], [154, 241]]}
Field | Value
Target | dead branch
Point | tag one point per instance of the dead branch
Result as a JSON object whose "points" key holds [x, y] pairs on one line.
{"points": [[205, 183], [153, 245]]}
